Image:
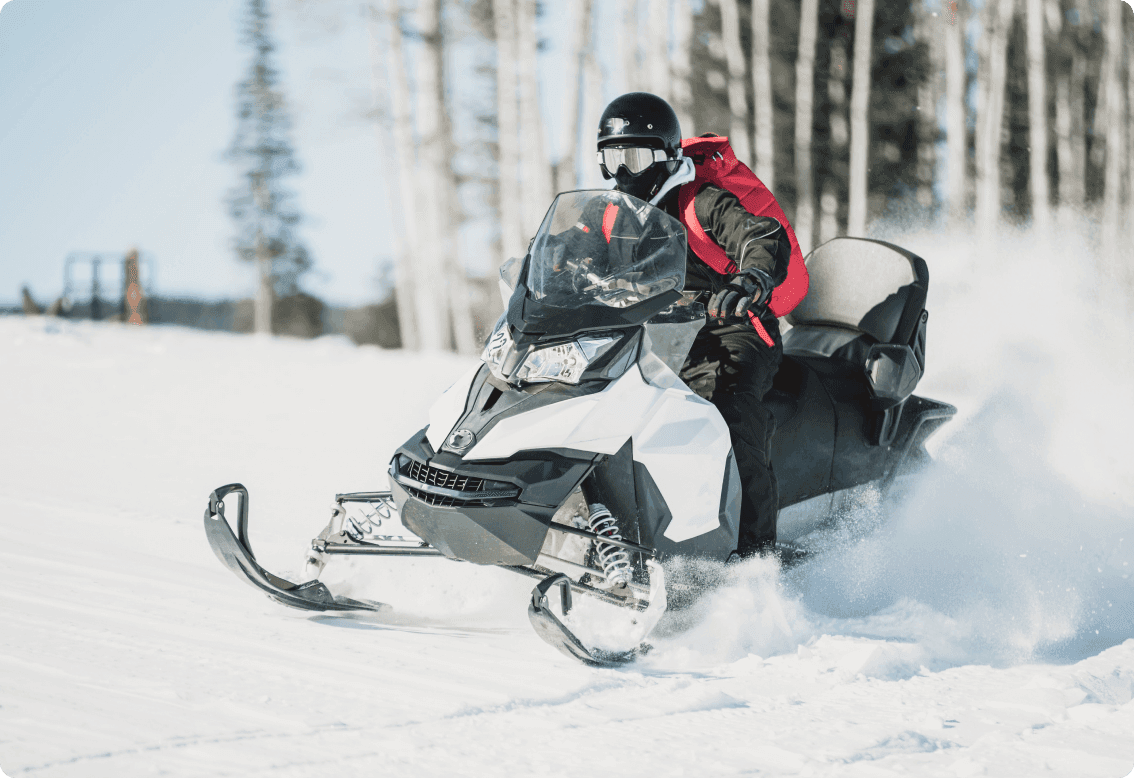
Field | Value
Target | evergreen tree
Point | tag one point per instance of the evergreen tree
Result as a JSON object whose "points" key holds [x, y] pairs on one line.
{"points": [[261, 206]]}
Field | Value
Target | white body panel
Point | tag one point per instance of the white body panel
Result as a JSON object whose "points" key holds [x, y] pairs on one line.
{"points": [[449, 408], [680, 438]]}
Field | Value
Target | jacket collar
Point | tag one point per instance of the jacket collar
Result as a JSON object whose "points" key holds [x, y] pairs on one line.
{"points": [[686, 173]]}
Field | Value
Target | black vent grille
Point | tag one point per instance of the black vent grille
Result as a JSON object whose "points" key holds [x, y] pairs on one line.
{"points": [[427, 476], [437, 499], [433, 476]]}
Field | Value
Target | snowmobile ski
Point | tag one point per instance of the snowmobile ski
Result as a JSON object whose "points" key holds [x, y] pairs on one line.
{"points": [[555, 633], [236, 554]]}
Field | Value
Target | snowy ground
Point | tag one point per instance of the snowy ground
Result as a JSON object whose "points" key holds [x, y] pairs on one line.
{"points": [[987, 629]]}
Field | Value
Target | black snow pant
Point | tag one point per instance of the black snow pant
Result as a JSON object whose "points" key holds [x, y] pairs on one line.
{"points": [[732, 367]]}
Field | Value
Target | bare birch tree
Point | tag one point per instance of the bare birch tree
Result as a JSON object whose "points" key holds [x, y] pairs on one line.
{"points": [[1130, 166], [682, 66], [991, 77], [508, 129], [658, 79], [956, 134], [1037, 115], [536, 180], [456, 277], [390, 87], [566, 171], [1070, 117], [804, 119], [860, 119], [1110, 87], [592, 110], [631, 55], [927, 30], [737, 95], [840, 137], [762, 93], [432, 178]]}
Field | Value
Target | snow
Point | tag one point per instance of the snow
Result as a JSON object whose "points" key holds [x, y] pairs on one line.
{"points": [[986, 627]]}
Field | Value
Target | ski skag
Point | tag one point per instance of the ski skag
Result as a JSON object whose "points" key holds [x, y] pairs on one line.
{"points": [[573, 453]]}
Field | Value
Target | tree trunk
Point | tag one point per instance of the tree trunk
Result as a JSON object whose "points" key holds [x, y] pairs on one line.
{"points": [[762, 92], [508, 130], [631, 35], [840, 136], [682, 67], [1037, 117], [992, 77], [928, 30], [1128, 289], [566, 171], [265, 293], [265, 289], [395, 138], [860, 120], [737, 96], [1110, 86], [657, 48], [1078, 182], [593, 105], [432, 178], [448, 204], [956, 133], [1063, 138], [536, 180], [804, 119]]}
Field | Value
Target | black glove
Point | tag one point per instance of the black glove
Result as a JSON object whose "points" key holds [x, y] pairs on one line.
{"points": [[749, 290]]}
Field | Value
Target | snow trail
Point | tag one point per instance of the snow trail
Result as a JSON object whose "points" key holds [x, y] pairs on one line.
{"points": [[985, 625]]}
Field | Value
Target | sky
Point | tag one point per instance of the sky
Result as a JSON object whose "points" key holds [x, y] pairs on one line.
{"points": [[114, 120]]}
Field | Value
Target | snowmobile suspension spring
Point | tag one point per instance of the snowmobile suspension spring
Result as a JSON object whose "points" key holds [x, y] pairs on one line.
{"points": [[615, 561]]}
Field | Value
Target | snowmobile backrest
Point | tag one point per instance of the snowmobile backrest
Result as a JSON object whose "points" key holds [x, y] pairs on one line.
{"points": [[865, 286], [866, 310]]}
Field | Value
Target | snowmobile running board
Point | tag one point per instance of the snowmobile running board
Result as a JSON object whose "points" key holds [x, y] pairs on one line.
{"points": [[235, 552]]}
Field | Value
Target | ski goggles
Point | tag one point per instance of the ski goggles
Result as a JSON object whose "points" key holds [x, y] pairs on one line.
{"points": [[633, 158]]}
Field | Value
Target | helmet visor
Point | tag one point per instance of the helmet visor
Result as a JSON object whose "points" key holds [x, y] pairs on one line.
{"points": [[634, 158]]}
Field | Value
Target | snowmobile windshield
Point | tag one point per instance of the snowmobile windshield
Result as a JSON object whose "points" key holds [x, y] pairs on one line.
{"points": [[600, 247]]}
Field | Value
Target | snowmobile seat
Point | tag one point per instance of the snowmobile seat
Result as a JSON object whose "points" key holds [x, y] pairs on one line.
{"points": [[864, 318]]}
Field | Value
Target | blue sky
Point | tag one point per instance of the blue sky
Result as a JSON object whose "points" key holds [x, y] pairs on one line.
{"points": [[114, 118]]}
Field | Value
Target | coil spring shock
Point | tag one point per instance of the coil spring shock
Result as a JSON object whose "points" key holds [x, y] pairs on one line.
{"points": [[615, 561]]}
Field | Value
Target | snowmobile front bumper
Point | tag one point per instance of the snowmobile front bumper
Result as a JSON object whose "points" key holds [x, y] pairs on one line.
{"points": [[235, 553]]}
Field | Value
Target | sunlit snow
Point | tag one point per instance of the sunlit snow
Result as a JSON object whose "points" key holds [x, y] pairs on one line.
{"points": [[985, 626]]}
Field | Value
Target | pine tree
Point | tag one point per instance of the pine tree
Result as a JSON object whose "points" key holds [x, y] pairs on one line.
{"points": [[262, 207]]}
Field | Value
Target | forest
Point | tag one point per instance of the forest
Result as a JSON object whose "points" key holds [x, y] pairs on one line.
{"points": [[938, 114]]}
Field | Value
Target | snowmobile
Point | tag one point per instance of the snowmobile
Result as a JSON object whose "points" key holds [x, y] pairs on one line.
{"points": [[575, 455]]}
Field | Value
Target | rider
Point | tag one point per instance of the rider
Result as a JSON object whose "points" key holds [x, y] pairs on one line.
{"points": [[731, 364]]}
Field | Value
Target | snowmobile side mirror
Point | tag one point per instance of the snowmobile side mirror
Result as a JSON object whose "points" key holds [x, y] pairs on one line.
{"points": [[892, 371]]}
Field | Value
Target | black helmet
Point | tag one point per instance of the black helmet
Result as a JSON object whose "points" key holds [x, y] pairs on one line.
{"points": [[645, 120]]}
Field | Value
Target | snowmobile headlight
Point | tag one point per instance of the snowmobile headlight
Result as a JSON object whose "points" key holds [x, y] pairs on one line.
{"points": [[564, 362], [498, 347]]}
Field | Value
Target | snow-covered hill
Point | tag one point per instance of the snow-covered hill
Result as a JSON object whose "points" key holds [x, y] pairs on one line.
{"points": [[987, 629]]}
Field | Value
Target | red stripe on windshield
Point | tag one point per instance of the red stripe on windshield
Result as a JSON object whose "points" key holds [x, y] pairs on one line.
{"points": [[608, 217]]}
